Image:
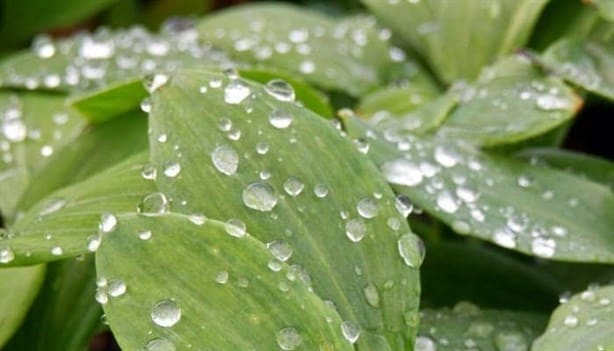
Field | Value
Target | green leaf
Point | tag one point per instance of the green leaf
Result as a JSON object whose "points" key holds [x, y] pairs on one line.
{"points": [[605, 8], [528, 208], [458, 38], [582, 323], [346, 54], [311, 98], [591, 167], [468, 326], [511, 101], [18, 288], [65, 315], [247, 306], [587, 63], [66, 223], [96, 149], [21, 19], [283, 171], [32, 127], [93, 61]]}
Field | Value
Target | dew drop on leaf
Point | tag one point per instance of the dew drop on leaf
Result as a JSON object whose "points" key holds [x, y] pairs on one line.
{"points": [[510, 341], [280, 249], [145, 235], [424, 343], [165, 313], [172, 169], [235, 92], [260, 196], [225, 159], [543, 247], [372, 295], [570, 321], [52, 206], [505, 238], [221, 277], [355, 229], [350, 331], [280, 90], [446, 157], [447, 202], [159, 345], [402, 172], [108, 223], [153, 204], [116, 288], [289, 338], [411, 249], [293, 186], [154, 82], [93, 243], [280, 118], [6, 255], [235, 227], [404, 205], [367, 207]]}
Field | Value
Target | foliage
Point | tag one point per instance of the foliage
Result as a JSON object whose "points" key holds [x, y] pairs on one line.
{"points": [[380, 176]]}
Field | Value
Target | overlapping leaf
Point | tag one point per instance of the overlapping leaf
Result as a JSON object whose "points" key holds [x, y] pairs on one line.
{"points": [[458, 38], [582, 323], [536, 210], [348, 55], [251, 155]]}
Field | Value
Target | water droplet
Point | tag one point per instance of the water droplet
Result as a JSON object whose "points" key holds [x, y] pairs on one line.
{"points": [[93, 242], [467, 194], [446, 157], [350, 331], [293, 186], [280, 90], [280, 119], [225, 124], [116, 288], [145, 235], [6, 255], [154, 82], [52, 206], [221, 277], [146, 105], [43, 46], [197, 218], [367, 207], [262, 148], [165, 313], [235, 227], [570, 321], [108, 223], [447, 202], [411, 249], [543, 247], [355, 229], [149, 172], [260, 196], [225, 159], [235, 92], [402, 172], [403, 205], [289, 339], [362, 145], [505, 237], [159, 345], [511, 341], [172, 169], [280, 249], [14, 129], [101, 297], [424, 343], [153, 204], [307, 67], [550, 102], [371, 295], [461, 227], [525, 181], [320, 190]]}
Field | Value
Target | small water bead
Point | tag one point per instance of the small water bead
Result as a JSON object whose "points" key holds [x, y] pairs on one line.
{"points": [[517, 223], [154, 82], [525, 181], [165, 313], [404, 205], [108, 223], [101, 297], [550, 102], [355, 229], [264, 175], [260, 196], [543, 247], [402, 172], [280, 90], [280, 118], [394, 223], [424, 343], [367, 208], [505, 237], [411, 249], [153, 204], [289, 338], [145, 235], [372, 295], [461, 227], [235, 227], [225, 159], [172, 169], [116, 288], [197, 218], [275, 265], [43, 47], [149, 172], [262, 148], [447, 202], [446, 157], [307, 67], [221, 277], [93, 243], [280, 249], [52, 206], [293, 186], [350, 331], [362, 145], [14, 129], [467, 194], [570, 321], [236, 91], [160, 345], [6, 255], [511, 341], [320, 190]]}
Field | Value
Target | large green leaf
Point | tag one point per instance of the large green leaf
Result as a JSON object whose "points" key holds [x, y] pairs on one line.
{"points": [[467, 327], [21, 19], [239, 152], [65, 315], [32, 127], [348, 54], [592, 167], [71, 221], [511, 101], [458, 37], [588, 63], [533, 209], [18, 288], [605, 8], [585, 322], [203, 288], [89, 61]]}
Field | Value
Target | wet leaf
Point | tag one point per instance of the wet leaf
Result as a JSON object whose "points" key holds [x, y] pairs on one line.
{"points": [[241, 153], [536, 210], [605, 8], [18, 288], [247, 306], [468, 326], [69, 222], [458, 38], [33, 127], [583, 323], [511, 101], [65, 315], [348, 54]]}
